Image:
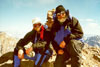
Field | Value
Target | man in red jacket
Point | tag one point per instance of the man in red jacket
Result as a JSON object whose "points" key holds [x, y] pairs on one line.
{"points": [[39, 50]]}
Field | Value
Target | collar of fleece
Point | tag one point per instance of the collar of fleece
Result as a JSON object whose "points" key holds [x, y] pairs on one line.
{"points": [[42, 32]]}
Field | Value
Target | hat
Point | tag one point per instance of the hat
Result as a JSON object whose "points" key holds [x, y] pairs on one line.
{"points": [[49, 14], [53, 10], [59, 9], [36, 20]]}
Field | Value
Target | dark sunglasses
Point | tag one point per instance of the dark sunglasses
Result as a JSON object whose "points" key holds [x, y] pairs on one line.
{"points": [[61, 13], [37, 25]]}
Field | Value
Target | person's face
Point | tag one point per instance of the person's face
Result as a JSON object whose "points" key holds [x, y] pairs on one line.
{"points": [[49, 24], [50, 19], [37, 27], [61, 16]]}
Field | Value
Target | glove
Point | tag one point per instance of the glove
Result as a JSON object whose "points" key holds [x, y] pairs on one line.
{"points": [[62, 44], [60, 52], [29, 50], [20, 54]]}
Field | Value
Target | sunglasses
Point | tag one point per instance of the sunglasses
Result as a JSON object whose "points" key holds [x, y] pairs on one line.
{"points": [[61, 13], [37, 25]]}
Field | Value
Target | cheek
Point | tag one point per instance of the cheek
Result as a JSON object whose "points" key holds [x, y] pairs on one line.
{"points": [[59, 17], [64, 16], [38, 29]]}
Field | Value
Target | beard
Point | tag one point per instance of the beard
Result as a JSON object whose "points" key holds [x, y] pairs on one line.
{"points": [[62, 20]]}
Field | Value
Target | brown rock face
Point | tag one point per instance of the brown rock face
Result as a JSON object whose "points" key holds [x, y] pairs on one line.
{"points": [[90, 56]]}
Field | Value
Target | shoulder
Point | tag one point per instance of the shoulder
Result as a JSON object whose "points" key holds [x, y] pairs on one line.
{"points": [[74, 19], [29, 34], [47, 32], [47, 35]]}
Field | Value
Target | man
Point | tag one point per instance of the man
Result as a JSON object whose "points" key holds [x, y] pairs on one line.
{"points": [[40, 39], [50, 20], [66, 38]]}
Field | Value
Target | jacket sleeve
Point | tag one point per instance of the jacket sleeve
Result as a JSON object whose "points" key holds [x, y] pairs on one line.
{"points": [[76, 30], [48, 39], [54, 43], [27, 38]]}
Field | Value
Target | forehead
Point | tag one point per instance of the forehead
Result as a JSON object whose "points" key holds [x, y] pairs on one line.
{"points": [[37, 24], [61, 12]]}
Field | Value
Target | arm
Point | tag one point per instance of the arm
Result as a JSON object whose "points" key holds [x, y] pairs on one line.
{"points": [[27, 38], [53, 42], [76, 30], [19, 50]]}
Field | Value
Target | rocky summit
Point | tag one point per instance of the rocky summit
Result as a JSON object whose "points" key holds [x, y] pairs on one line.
{"points": [[90, 54]]}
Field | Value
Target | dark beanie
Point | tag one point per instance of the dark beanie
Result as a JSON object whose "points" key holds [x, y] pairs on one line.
{"points": [[59, 9]]}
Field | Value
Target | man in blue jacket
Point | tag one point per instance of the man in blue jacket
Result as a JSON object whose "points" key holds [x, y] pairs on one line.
{"points": [[66, 38]]}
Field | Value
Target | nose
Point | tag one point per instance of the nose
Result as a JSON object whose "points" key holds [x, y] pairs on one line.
{"points": [[60, 16]]}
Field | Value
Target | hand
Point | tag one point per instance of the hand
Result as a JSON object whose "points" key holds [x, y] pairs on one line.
{"points": [[62, 44], [29, 50], [20, 54], [60, 51]]}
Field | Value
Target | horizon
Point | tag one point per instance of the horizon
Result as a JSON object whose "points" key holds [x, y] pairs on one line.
{"points": [[19, 35]]}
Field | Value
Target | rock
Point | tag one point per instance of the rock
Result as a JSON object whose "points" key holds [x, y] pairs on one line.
{"points": [[96, 58], [7, 43], [28, 63], [90, 54], [5, 57]]}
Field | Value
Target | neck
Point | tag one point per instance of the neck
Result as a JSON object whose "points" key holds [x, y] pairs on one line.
{"points": [[38, 33]]}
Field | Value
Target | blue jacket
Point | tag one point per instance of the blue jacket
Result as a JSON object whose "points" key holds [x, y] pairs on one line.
{"points": [[70, 29]]}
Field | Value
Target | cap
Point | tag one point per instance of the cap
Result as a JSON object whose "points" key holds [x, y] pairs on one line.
{"points": [[59, 9], [36, 20], [49, 14]]}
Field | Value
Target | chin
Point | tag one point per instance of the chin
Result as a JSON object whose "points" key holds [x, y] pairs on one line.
{"points": [[62, 20], [38, 31]]}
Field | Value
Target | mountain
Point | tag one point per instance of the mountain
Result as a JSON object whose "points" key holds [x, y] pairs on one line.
{"points": [[90, 54], [7, 43], [93, 40]]}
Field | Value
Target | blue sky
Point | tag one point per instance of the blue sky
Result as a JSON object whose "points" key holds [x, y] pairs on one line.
{"points": [[16, 15]]}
